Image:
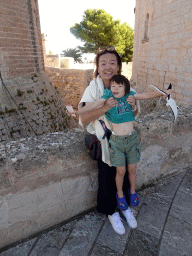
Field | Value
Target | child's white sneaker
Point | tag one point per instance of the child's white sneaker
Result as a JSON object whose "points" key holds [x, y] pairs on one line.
{"points": [[130, 218], [116, 223]]}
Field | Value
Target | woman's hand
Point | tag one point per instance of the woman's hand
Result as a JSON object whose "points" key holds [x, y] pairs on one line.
{"points": [[131, 101], [110, 103], [70, 111]]}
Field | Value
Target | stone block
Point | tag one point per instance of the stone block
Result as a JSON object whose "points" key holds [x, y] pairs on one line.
{"points": [[169, 40], [182, 205], [4, 174], [73, 80], [83, 235], [115, 241], [24, 214], [54, 204], [150, 164], [16, 251], [52, 216], [154, 211], [187, 181], [22, 199], [51, 181], [17, 231], [78, 195], [176, 238], [141, 243], [4, 212], [51, 243], [49, 196], [168, 187], [100, 250]]}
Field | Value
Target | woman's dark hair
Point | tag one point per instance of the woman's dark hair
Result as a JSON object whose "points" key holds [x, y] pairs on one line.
{"points": [[119, 62], [120, 79]]}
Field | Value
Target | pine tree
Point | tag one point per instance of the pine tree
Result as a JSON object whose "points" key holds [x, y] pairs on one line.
{"points": [[98, 29]]}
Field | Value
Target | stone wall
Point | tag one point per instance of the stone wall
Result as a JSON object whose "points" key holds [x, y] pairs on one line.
{"points": [[52, 61], [66, 62], [30, 105], [70, 83], [49, 179], [127, 69], [56, 61], [20, 38], [163, 47]]}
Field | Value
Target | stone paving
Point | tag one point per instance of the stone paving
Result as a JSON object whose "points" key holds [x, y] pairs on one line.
{"points": [[164, 228]]}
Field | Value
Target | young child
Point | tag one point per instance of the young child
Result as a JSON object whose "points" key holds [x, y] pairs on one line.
{"points": [[124, 143]]}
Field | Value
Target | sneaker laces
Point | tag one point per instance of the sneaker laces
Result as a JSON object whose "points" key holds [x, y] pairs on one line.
{"points": [[131, 215]]}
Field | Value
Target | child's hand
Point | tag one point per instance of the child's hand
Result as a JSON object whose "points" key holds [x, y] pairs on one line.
{"points": [[131, 101], [70, 111]]}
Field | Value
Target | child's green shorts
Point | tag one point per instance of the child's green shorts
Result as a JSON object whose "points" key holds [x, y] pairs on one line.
{"points": [[124, 147]]}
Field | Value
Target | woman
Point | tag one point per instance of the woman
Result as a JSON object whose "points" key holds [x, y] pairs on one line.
{"points": [[108, 63]]}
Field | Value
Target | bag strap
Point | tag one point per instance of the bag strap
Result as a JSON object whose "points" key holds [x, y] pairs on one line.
{"points": [[104, 128]]}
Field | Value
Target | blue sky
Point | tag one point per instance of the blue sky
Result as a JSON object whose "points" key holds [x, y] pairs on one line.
{"points": [[58, 16]]}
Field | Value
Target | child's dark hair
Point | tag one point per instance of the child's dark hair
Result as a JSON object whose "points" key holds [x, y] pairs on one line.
{"points": [[120, 79]]}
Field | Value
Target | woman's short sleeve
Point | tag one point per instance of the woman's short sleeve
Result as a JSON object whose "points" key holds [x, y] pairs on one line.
{"points": [[87, 95], [91, 93], [107, 94]]}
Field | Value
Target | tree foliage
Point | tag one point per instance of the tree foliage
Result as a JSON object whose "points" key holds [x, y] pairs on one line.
{"points": [[73, 52], [98, 29]]}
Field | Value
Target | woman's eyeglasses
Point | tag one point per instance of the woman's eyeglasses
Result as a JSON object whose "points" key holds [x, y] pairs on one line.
{"points": [[110, 49]]}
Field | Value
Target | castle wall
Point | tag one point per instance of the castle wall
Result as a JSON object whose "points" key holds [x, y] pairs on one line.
{"points": [[127, 69], [47, 179], [50, 179], [70, 83], [29, 103], [52, 61], [20, 38], [58, 62], [66, 62], [163, 47]]}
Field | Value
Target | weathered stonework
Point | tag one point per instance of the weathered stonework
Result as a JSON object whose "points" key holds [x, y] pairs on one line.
{"points": [[163, 47], [32, 105], [56, 61], [44, 181], [70, 83], [127, 69], [29, 103], [20, 38], [52, 61], [48, 179], [166, 146]]}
